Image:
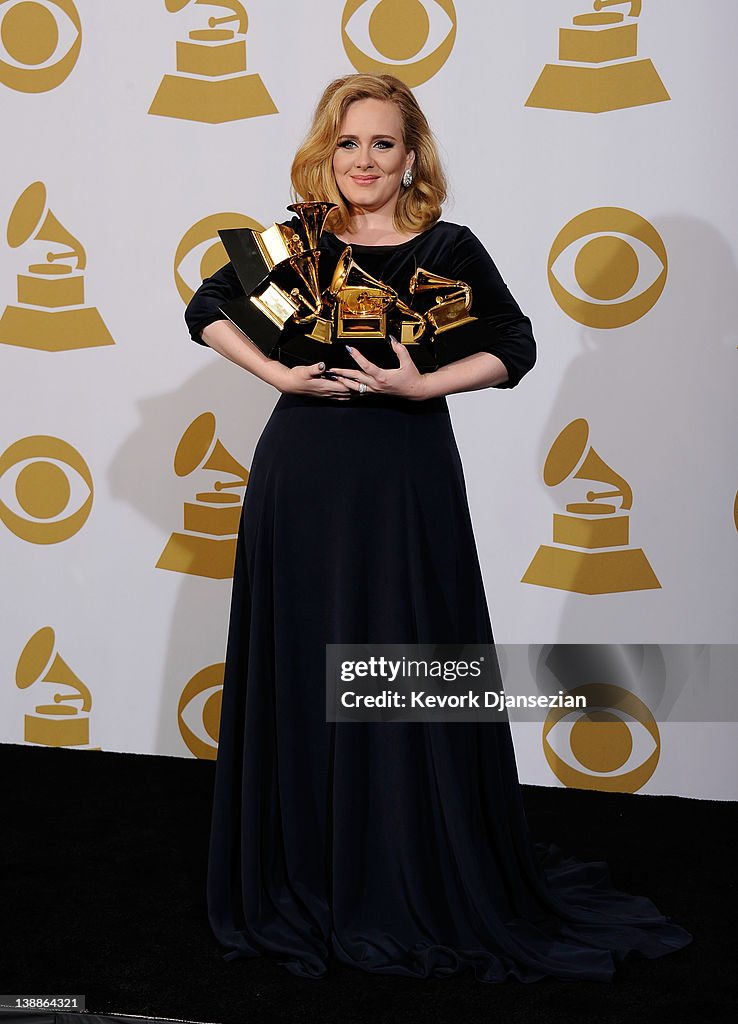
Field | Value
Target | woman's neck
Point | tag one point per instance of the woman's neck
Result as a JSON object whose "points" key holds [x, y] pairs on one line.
{"points": [[367, 228]]}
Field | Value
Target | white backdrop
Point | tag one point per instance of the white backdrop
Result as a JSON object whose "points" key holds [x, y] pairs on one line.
{"points": [[632, 119]]}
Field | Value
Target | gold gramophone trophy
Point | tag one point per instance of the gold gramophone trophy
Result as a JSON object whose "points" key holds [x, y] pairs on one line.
{"points": [[361, 300], [453, 299], [287, 314], [363, 305], [279, 275]]}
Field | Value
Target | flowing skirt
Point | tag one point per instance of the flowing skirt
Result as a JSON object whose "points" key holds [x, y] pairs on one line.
{"points": [[392, 847]]}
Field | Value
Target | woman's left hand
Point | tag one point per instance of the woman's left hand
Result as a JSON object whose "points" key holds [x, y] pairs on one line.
{"points": [[406, 381]]}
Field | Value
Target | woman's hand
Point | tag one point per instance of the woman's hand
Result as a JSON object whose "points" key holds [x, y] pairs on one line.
{"points": [[309, 380], [406, 381]]}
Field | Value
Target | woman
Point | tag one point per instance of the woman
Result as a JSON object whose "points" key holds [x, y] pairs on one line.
{"points": [[395, 847]]}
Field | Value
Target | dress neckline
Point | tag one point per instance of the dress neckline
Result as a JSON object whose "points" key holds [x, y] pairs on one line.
{"points": [[385, 246]]}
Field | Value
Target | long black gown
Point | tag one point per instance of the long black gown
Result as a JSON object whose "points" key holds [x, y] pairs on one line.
{"points": [[396, 848]]}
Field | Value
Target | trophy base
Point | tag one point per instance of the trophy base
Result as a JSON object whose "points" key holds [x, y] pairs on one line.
{"points": [[455, 324], [59, 330], [591, 572], [322, 331], [199, 556], [258, 328], [246, 256], [210, 102], [594, 90]]}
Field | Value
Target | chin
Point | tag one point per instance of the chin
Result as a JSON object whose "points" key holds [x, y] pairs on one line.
{"points": [[365, 199]]}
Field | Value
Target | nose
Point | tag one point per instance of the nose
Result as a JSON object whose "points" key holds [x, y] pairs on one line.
{"points": [[364, 157]]}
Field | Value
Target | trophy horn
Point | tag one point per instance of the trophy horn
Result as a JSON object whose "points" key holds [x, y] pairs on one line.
{"points": [[341, 273], [305, 264], [313, 216], [423, 281], [348, 274], [453, 299]]}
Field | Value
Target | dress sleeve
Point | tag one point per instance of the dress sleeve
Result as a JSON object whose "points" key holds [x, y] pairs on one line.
{"points": [[503, 330], [203, 307]]}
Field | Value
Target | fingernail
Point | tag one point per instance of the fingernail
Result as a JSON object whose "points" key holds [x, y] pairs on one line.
{"points": [[322, 366], [349, 349]]}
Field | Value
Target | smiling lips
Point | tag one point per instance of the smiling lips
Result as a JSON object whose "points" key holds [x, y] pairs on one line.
{"points": [[364, 179]]}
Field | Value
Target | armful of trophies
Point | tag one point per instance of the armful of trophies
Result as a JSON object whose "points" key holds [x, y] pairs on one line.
{"points": [[287, 314]]}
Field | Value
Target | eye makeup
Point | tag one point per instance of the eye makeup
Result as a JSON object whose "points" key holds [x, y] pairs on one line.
{"points": [[348, 142]]}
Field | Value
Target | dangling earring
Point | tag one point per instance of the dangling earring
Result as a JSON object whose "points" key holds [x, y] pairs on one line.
{"points": [[407, 178]]}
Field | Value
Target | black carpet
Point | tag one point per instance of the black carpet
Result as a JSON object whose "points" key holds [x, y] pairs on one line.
{"points": [[102, 893]]}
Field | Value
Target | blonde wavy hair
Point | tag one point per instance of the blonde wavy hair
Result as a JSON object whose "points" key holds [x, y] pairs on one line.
{"points": [[419, 206]]}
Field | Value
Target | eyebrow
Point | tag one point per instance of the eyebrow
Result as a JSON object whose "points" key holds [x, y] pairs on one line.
{"points": [[384, 135]]}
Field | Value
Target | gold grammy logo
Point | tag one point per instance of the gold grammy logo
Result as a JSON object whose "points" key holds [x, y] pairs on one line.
{"points": [[214, 256], [59, 724], [619, 269], [600, 69], [615, 743], [52, 315], [211, 84], [30, 34], [592, 553], [199, 710], [411, 38], [208, 547], [49, 489]]}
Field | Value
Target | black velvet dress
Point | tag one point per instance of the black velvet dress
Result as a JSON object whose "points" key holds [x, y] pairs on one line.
{"points": [[395, 848]]}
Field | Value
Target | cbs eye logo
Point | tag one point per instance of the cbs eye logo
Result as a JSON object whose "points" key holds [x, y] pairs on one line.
{"points": [[201, 251], [50, 485], [198, 712], [42, 40], [411, 39], [612, 746], [616, 272]]}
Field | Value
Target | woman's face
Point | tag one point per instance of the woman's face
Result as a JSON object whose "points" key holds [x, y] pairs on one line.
{"points": [[370, 156]]}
